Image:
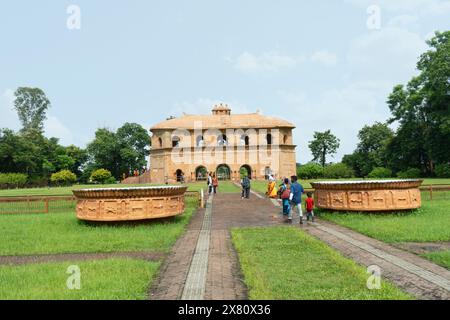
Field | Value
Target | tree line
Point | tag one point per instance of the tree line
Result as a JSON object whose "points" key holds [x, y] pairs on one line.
{"points": [[27, 157], [419, 147]]}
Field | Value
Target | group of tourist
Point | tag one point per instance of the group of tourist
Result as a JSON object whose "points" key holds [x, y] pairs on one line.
{"points": [[290, 193], [213, 183]]}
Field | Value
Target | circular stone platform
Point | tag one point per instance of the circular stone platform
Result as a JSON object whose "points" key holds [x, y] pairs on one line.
{"points": [[368, 196], [129, 204]]}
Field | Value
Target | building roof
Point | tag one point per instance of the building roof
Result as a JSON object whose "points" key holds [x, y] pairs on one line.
{"points": [[224, 121]]}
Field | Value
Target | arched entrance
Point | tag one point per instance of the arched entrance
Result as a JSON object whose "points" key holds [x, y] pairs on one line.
{"points": [[179, 174], [201, 173], [223, 172], [246, 170]]}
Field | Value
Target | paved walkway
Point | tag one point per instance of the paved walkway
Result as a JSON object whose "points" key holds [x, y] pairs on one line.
{"points": [[204, 265]]}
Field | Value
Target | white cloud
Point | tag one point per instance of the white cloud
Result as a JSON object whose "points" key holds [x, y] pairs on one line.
{"points": [[434, 7], [325, 57], [403, 21], [266, 62], [53, 127], [390, 53], [354, 105]]}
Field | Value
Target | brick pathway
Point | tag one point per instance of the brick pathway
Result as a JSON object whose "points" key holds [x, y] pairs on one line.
{"points": [[208, 243]]}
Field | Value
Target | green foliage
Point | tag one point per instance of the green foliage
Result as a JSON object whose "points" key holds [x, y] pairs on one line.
{"points": [[324, 144], [443, 171], [63, 177], [371, 150], [380, 172], [31, 153], [15, 180], [31, 105], [338, 171], [422, 109], [101, 176], [119, 152], [110, 180], [411, 173], [310, 171]]}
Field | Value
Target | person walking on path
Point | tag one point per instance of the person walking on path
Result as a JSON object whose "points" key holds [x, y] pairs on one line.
{"points": [[309, 205], [246, 185], [272, 188], [215, 183], [210, 183], [296, 199]]}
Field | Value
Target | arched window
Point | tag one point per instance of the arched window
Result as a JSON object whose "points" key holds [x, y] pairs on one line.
{"points": [[200, 141], [269, 139], [222, 140], [175, 142], [160, 142], [245, 140], [285, 139]]}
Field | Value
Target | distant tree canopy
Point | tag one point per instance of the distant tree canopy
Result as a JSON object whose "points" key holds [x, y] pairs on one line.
{"points": [[31, 105], [30, 153], [323, 145], [119, 152], [370, 152], [422, 111]]}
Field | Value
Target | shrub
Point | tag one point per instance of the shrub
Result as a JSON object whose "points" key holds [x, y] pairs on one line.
{"points": [[110, 180], [442, 171], [310, 171], [380, 172], [101, 175], [12, 180], [338, 171], [63, 177], [411, 173]]}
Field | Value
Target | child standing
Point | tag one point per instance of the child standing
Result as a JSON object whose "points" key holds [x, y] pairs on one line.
{"points": [[309, 204]]}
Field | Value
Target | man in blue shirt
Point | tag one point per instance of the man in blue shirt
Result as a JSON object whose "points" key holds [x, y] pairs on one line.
{"points": [[296, 198]]}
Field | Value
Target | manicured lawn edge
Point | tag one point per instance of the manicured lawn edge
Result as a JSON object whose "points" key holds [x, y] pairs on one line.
{"points": [[285, 263]]}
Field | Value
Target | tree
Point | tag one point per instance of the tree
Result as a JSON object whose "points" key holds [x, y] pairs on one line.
{"points": [[422, 110], [101, 175], [324, 144], [31, 105], [120, 151], [63, 177], [133, 142], [371, 150]]}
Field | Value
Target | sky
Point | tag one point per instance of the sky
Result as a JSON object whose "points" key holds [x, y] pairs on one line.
{"points": [[325, 64]]}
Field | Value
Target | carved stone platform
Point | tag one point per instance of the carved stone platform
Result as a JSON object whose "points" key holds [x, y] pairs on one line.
{"points": [[129, 204], [368, 196]]}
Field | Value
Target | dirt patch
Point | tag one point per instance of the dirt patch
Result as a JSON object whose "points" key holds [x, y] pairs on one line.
{"points": [[423, 247], [21, 260]]}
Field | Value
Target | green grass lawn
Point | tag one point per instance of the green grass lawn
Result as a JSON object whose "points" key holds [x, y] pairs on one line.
{"points": [[224, 186], [122, 279], [62, 232], [427, 224], [441, 257], [284, 263]]}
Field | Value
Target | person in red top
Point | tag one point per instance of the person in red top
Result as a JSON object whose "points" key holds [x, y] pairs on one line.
{"points": [[309, 204]]}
